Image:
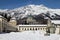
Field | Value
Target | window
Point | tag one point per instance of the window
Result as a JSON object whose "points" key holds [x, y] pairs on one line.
{"points": [[36, 29], [30, 29], [25, 28]]}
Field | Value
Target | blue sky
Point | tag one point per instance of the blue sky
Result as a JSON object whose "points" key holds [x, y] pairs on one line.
{"points": [[10, 4]]}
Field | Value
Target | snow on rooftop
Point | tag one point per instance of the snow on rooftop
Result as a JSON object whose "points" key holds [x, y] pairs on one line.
{"points": [[46, 18], [13, 18], [28, 35], [55, 21], [0, 16], [33, 25]]}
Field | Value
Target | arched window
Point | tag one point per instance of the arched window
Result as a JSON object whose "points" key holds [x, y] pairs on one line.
{"points": [[30, 29], [36, 29], [25, 28]]}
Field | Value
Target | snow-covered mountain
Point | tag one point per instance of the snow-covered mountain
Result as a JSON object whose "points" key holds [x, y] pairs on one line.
{"points": [[30, 9], [35, 9]]}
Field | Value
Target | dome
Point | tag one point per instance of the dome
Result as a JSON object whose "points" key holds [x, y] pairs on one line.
{"points": [[13, 18]]}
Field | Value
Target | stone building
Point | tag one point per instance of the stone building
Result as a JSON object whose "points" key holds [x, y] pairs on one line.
{"points": [[13, 21], [31, 27], [56, 25], [50, 27], [29, 23], [5, 26]]}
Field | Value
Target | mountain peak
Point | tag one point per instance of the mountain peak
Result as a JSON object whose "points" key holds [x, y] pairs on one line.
{"points": [[30, 9], [32, 5], [42, 5]]}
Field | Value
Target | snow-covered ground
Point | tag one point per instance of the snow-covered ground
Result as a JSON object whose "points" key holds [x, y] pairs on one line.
{"points": [[28, 35]]}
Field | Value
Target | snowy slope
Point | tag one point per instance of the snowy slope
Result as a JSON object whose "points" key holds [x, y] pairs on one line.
{"points": [[28, 35], [30, 9], [3, 10], [36, 9]]}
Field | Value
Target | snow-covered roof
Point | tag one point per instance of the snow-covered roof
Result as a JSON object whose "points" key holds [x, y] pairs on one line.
{"points": [[33, 25], [0, 16], [55, 21], [13, 18], [46, 18]]}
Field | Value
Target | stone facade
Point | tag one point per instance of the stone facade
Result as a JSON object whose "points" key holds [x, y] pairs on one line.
{"points": [[13, 22], [48, 28], [31, 27], [5, 26]]}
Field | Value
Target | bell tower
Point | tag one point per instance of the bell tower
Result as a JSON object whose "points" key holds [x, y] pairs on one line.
{"points": [[13, 21], [49, 24]]}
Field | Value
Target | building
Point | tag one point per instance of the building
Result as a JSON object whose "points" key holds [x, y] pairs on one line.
{"points": [[29, 23], [31, 27], [56, 25], [5, 26], [50, 27], [13, 21], [32, 24]]}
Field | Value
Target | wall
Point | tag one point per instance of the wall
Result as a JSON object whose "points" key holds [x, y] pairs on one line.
{"points": [[1, 25]]}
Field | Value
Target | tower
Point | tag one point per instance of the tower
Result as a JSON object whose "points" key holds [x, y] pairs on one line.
{"points": [[48, 25], [13, 21]]}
